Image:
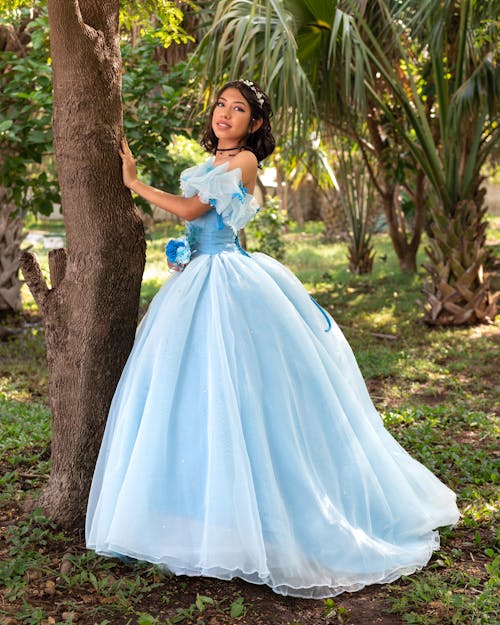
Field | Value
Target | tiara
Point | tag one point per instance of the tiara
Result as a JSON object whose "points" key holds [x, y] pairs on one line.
{"points": [[258, 94]]}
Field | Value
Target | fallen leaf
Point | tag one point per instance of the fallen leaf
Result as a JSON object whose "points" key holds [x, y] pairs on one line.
{"points": [[66, 563], [111, 599], [88, 598], [50, 588], [32, 575]]}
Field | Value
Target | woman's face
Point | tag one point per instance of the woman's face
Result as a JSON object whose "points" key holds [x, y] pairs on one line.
{"points": [[231, 118]]}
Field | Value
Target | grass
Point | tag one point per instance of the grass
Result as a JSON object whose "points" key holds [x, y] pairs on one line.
{"points": [[438, 392]]}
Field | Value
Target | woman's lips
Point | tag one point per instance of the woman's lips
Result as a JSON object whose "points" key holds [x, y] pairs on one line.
{"points": [[222, 125]]}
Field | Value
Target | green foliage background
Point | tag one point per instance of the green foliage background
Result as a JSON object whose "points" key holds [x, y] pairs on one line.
{"points": [[155, 107], [26, 166]]}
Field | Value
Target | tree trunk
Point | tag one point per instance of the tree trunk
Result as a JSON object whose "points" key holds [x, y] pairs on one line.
{"points": [[91, 309], [387, 186], [458, 292], [406, 251]]}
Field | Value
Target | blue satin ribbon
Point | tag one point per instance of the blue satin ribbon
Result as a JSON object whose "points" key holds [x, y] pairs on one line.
{"points": [[240, 249], [323, 312]]}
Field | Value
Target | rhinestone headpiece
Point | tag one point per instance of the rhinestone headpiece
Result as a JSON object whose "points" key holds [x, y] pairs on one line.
{"points": [[258, 94]]}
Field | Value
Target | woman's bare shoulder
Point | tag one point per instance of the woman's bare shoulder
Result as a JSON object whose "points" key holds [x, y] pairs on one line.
{"points": [[246, 161]]}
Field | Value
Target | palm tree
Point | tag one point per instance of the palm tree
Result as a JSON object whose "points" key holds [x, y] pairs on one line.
{"points": [[357, 198], [346, 187], [451, 103], [429, 69]]}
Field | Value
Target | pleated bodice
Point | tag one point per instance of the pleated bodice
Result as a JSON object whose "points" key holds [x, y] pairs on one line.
{"points": [[209, 235]]}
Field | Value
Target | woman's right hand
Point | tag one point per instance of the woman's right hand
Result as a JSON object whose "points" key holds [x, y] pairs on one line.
{"points": [[129, 170]]}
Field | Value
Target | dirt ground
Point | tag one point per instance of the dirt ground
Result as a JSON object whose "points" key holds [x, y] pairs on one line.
{"points": [[46, 591]]}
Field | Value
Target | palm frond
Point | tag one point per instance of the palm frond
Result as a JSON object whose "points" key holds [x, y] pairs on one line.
{"points": [[418, 136]]}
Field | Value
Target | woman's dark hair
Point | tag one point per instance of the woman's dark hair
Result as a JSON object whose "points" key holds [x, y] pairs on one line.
{"points": [[261, 142]]}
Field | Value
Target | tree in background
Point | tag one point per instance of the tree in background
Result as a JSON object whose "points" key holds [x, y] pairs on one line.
{"points": [[357, 197], [26, 169], [398, 181], [156, 100], [158, 85], [449, 92]]}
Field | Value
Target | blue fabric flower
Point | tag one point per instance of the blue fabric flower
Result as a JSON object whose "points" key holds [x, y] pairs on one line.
{"points": [[178, 252]]}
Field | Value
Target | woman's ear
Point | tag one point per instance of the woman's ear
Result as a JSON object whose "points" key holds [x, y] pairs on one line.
{"points": [[255, 124]]}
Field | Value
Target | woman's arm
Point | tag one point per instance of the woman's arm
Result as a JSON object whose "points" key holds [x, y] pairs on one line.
{"points": [[184, 207]]}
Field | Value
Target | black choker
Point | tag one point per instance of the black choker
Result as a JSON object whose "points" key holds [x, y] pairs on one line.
{"points": [[236, 147]]}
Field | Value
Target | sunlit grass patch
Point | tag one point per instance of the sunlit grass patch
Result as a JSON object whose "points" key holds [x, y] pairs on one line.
{"points": [[153, 279], [384, 319], [312, 262], [24, 424], [452, 595], [24, 437], [481, 510], [23, 369], [445, 438], [493, 229], [156, 270]]}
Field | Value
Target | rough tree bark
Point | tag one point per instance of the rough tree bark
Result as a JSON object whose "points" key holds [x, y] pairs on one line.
{"points": [[90, 311]]}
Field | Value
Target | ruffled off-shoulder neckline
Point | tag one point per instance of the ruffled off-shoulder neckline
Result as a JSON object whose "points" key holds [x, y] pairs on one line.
{"points": [[222, 188]]}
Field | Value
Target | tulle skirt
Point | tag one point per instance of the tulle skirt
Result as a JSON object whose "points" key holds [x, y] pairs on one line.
{"points": [[241, 441]]}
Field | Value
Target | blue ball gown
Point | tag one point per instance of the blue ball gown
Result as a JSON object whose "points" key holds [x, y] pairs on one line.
{"points": [[241, 440]]}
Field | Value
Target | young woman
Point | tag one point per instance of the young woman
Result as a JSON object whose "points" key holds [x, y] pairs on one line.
{"points": [[241, 440]]}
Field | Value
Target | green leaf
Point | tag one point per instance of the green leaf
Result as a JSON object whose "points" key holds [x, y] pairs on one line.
{"points": [[6, 124], [237, 608], [202, 601]]}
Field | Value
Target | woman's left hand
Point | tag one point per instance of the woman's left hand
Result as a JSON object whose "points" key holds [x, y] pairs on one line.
{"points": [[129, 170]]}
